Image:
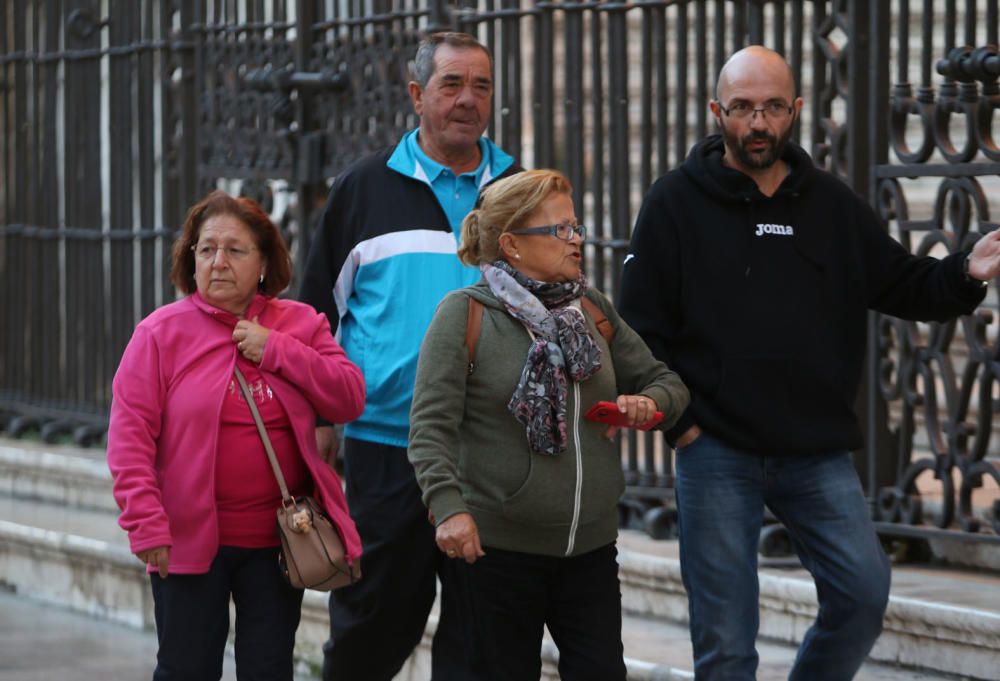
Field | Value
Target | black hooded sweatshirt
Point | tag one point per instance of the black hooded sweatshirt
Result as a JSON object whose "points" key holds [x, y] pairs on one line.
{"points": [[760, 303]]}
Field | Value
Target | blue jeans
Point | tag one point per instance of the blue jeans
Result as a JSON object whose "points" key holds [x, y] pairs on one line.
{"points": [[721, 493]]}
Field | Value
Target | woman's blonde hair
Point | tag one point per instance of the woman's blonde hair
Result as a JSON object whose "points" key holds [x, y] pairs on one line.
{"points": [[503, 206]]}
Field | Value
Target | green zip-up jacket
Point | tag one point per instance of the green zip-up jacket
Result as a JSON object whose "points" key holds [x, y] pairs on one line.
{"points": [[471, 455]]}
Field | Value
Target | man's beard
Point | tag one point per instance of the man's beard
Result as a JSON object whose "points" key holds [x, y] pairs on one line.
{"points": [[763, 159]]}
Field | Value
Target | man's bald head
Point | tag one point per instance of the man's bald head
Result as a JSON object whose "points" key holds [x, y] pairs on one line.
{"points": [[755, 64]]}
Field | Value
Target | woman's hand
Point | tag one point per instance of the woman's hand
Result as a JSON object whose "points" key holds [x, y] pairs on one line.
{"points": [[250, 338], [158, 558], [458, 537], [638, 409]]}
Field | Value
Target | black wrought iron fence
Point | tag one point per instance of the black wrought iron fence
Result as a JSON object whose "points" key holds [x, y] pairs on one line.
{"points": [[111, 124]]}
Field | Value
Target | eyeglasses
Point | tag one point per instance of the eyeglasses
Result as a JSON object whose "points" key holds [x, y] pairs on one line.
{"points": [[564, 231], [234, 253], [775, 110]]}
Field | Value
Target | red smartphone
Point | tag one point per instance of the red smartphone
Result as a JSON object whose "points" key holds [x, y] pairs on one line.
{"points": [[607, 412]]}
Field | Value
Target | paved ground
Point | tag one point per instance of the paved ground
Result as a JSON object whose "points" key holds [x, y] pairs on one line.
{"points": [[39, 642], [44, 643]]}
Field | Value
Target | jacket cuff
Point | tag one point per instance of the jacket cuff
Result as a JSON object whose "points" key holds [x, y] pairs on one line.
{"points": [[445, 503], [970, 289], [662, 399], [683, 423]]}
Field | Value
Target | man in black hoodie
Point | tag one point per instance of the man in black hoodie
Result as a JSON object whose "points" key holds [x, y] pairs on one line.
{"points": [[751, 273]]}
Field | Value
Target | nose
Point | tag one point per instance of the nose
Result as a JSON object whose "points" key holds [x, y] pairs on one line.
{"points": [[465, 96], [758, 119], [219, 258]]}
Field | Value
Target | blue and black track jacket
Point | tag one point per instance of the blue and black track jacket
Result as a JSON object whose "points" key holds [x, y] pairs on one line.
{"points": [[382, 259]]}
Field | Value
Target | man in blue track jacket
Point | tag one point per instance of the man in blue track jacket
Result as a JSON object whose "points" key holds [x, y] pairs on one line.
{"points": [[383, 257]]}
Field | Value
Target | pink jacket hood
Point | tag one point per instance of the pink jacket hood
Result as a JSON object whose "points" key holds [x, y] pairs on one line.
{"points": [[167, 400]]}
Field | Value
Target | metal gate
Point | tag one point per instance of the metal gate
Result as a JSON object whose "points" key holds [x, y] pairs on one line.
{"points": [[115, 116]]}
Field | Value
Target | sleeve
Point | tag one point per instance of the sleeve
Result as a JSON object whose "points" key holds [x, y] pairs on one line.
{"points": [[438, 408], [334, 238], [637, 371], [320, 369], [650, 291], [138, 396], [908, 286]]}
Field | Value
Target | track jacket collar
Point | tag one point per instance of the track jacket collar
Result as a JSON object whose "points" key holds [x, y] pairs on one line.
{"points": [[410, 160]]}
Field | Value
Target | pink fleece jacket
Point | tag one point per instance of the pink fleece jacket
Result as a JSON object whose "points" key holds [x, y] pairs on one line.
{"points": [[167, 398]]}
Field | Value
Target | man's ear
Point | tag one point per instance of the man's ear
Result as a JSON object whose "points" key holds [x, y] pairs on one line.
{"points": [[713, 106], [416, 96], [798, 104]]}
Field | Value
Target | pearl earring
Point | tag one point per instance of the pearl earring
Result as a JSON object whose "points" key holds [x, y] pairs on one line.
{"points": [[517, 256], [261, 279]]}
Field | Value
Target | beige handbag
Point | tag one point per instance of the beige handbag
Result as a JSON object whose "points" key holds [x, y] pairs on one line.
{"points": [[312, 553]]}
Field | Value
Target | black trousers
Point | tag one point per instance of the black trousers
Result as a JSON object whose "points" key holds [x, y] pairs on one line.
{"points": [[192, 619], [509, 596], [376, 623]]}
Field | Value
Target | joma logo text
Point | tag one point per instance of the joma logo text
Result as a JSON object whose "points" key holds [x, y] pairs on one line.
{"points": [[784, 230]]}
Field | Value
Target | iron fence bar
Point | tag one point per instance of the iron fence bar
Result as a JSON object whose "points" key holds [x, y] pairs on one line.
{"points": [[820, 107], [755, 23], [646, 100], [661, 58], [992, 22], [82, 54], [720, 24], [877, 437], [943, 170], [970, 22], [702, 79], [927, 51], [185, 138], [306, 187], [778, 31], [573, 104], [681, 86], [618, 113], [739, 19], [120, 301], [511, 109], [597, 57], [146, 181], [796, 54], [903, 30]]}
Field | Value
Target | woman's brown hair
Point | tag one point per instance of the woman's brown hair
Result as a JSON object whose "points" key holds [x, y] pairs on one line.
{"points": [[268, 241]]}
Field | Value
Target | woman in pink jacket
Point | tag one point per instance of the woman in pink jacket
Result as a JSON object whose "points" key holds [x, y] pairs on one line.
{"points": [[197, 492]]}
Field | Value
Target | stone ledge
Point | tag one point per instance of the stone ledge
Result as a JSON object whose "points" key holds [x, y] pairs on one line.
{"points": [[69, 480], [917, 633], [105, 581]]}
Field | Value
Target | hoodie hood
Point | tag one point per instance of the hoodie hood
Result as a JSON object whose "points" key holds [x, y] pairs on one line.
{"points": [[705, 169]]}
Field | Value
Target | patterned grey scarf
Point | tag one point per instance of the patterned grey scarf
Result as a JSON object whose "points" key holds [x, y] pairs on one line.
{"points": [[562, 344]]}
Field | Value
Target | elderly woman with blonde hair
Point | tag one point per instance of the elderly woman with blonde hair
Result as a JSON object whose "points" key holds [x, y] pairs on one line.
{"points": [[521, 486]]}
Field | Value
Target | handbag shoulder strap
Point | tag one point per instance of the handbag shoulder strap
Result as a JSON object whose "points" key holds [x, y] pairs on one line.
{"points": [[272, 457], [472, 328], [600, 320]]}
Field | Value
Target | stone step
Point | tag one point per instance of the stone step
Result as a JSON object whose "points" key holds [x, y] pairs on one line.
{"points": [[85, 565], [99, 578], [76, 556]]}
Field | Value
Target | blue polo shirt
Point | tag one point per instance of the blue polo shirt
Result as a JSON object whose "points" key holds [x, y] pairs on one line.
{"points": [[457, 194]]}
